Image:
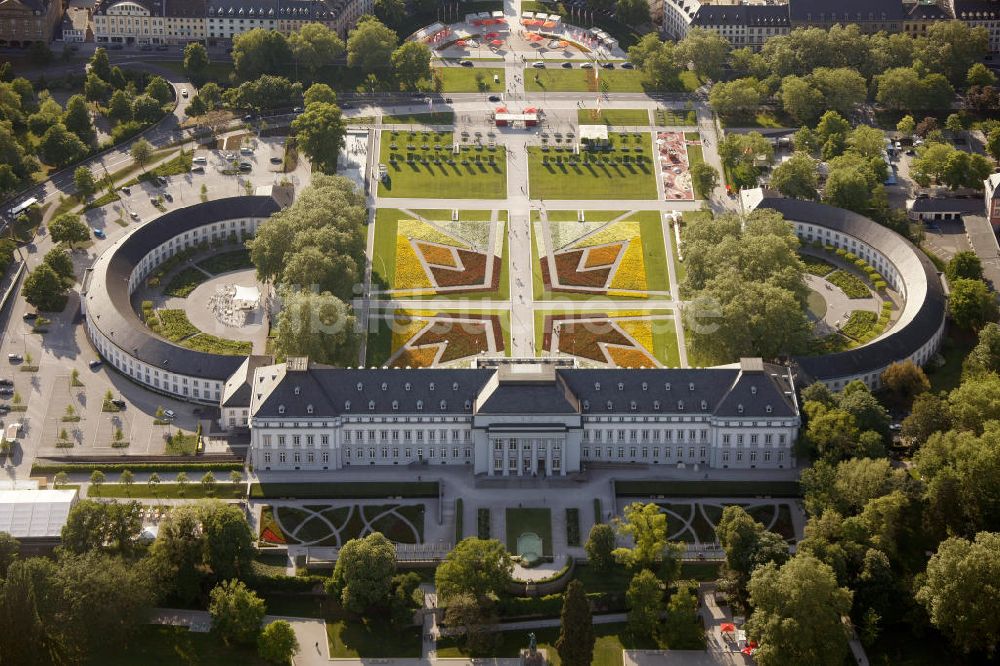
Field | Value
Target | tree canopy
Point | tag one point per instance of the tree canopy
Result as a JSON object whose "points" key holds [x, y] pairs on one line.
{"points": [[480, 568], [362, 577]]}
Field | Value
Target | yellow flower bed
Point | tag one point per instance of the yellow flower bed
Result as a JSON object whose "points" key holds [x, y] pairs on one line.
{"points": [[421, 357], [641, 330], [630, 358], [403, 330], [409, 271], [440, 256], [422, 231], [631, 273], [617, 232]]}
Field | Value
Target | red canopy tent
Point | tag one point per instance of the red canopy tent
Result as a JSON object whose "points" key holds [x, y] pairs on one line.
{"points": [[460, 42], [549, 24], [497, 42], [491, 35], [727, 628]]}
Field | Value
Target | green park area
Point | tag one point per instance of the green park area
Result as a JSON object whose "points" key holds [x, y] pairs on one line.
{"points": [[583, 80], [522, 523], [623, 169], [420, 118], [155, 645], [469, 79], [423, 164], [627, 117]]}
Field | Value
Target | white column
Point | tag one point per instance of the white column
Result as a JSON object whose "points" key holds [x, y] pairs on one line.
{"points": [[505, 445], [548, 456]]}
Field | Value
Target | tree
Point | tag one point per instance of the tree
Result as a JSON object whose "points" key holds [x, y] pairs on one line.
{"points": [[141, 152], [153, 480], [258, 51], [320, 132], [706, 50], [362, 577], [993, 143], [576, 634], [235, 476], [842, 88], [736, 100], [974, 402], [11, 547], [60, 479], [370, 45], [477, 567], [126, 478], [985, 356], [236, 612], [633, 12], [178, 553], [320, 326], [146, 110], [600, 547], [959, 591], [84, 182], [705, 179], [78, 121], [904, 381], [30, 638], [208, 480], [906, 125], [965, 265], [797, 177], [645, 603], [797, 614], [971, 305], [277, 642], [44, 289], [390, 12], [264, 92], [319, 92], [953, 123], [96, 89], [69, 228], [683, 629], [801, 100], [314, 46], [94, 526], [475, 619], [980, 75], [60, 147], [411, 63], [181, 478], [59, 260], [647, 527], [657, 61], [100, 64], [120, 107], [196, 62]]}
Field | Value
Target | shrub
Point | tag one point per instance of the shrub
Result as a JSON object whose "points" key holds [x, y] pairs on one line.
{"points": [[483, 526], [880, 285], [860, 324], [573, 527], [849, 284]]}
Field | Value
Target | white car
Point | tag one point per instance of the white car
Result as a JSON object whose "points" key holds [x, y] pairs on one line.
{"points": [[169, 413], [184, 92], [199, 160], [538, 64]]}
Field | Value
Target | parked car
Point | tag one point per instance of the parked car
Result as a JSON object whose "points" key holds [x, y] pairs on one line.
{"points": [[99, 233], [134, 216], [246, 166], [247, 118], [6, 382], [627, 65], [30, 316], [298, 109], [169, 413], [126, 189], [94, 365], [246, 151], [276, 160], [14, 358], [587, 65], [608, 65], [199, 160], [197, 168], [4, 408], [494, 98], [119, 403], [465, 63], [146, 47], [6, 390], [567, 65], [538, 64], [184, 92], [169, 197]]}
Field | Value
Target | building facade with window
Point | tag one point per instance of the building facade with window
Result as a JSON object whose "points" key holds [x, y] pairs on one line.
{"points": [[527, 418], [23, 22]]}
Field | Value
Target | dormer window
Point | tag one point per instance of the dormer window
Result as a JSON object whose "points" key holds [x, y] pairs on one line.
{"points": [[586, 405], [407, 386], [645, 386], [739, 408], [384, 386], [309, 409], [347, 405], [753, 390], [768, 409], [431, 387], [632, 405], [454, 386], [656, 405], [597, 386], [611, 407], [621, 386], [444, 405], [297, 390], [680, 405], [395, 405], [420, 405], [704, 405], [371, 405], [468, 405], [691, 386], [281, 409], [666, 387], [360, 386]]}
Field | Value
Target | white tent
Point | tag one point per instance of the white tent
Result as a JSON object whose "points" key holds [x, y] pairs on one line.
{"points": [[246, 298], [35, 513]]}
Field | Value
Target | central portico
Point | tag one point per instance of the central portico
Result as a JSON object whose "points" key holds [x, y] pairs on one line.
{"points": [[527, 422]]}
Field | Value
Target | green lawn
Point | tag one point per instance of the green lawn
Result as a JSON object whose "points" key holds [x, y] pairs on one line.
{"points": [[369, 638], [631, 117], [538, 521], [431, 118], [581, 80], [191, 490], [612, 639], [551, 176], [708, 488], [695, 155], [954, 349], [184, 282], [463, 79], [418, 167], [666, 118], [216, 71], [763, 119], [155, 645]]}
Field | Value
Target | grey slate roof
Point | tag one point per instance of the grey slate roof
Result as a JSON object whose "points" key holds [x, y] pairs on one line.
{"points": [[948, 205], [977, 10], [922, 315], [750, 15], [107, 298], [844, 11], [481, 391], [927, 11], [236, 392]]}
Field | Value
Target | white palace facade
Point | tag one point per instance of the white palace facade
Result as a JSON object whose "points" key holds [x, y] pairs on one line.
{"points": [[514, 419]]}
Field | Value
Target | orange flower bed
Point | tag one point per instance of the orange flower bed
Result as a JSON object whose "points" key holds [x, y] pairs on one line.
{"points": [[416, 358], [629, 358], [440, 256], [602, 256]]}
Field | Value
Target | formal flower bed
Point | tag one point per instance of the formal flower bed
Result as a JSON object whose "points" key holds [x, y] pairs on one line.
{"points": [[631, 273], [410, 273], [630, 358], [851, 285], [438, 255], [269, 530], [604, 255], [859, 324]]}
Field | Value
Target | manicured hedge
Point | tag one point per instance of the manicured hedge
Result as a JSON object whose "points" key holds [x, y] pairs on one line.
{"points": [[851, 285], [459, 519], [70, 468], [354, 490], [483, 524], [708, 488], [860, 324], [573, 527]]}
